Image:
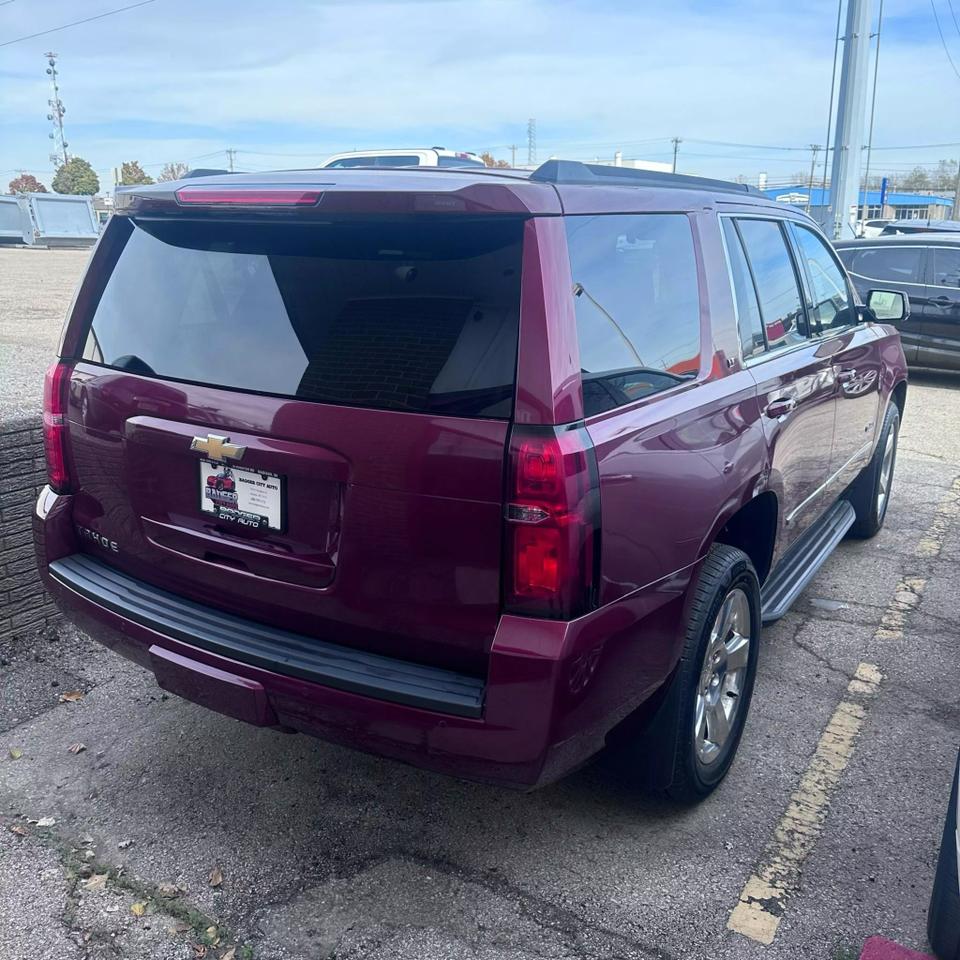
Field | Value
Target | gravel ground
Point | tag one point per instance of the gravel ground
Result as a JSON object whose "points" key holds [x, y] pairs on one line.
{"points": [[328, 853], [36, 287]]}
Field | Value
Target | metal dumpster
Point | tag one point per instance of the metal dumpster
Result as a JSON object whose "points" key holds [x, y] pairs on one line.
{"points": [[14, 222], [60, 219]]}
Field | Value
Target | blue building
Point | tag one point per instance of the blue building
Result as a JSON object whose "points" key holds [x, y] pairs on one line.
{"points": [[896, 205]]}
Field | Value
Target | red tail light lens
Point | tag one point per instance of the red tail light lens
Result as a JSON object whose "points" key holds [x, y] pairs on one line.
{"points": [[552, 523], [252, 197], [56, 384]]}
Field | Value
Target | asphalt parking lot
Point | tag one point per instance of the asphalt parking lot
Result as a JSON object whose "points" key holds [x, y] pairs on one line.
{"points": [[171, 832]]}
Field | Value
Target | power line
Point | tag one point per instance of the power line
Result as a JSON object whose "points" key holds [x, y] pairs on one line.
{"points": [[943, 40], [953, 14], [75, 23]]}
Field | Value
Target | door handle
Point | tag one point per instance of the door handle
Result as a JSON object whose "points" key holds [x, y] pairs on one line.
{"points": [[845, 376], [780, 407], [942, 301]]}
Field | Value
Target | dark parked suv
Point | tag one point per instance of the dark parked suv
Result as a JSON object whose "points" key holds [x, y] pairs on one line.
{"points": [[519, 463], [926, 267]]}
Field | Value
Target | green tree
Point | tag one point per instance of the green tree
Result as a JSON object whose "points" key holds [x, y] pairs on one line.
{"points": [[131, 173], [76, 176], [173, 171], [26, 183]]}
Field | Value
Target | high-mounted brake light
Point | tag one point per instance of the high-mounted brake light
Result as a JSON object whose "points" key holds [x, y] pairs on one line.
{"points": [[56, 386], [552, 522], [233, 196]]}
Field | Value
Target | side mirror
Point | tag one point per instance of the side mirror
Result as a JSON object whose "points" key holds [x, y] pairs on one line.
{"points": [[888, 305]]}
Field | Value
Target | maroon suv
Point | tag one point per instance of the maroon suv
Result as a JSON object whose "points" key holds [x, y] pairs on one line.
{"points": [[520, 463]]}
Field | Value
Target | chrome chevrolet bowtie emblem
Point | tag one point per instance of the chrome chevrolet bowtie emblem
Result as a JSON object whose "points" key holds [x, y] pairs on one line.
{"points": [[217, 448]]}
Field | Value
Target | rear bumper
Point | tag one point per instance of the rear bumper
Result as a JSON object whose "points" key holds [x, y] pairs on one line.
{"points": [[553, 689]]}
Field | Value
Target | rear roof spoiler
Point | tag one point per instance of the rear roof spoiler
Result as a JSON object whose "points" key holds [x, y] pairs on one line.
{"points": [[595, 174], [204, 172]]}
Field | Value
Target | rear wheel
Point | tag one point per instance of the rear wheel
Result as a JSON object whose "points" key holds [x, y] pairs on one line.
{"points": [[870, 493], [943, 920], [690, 743]]}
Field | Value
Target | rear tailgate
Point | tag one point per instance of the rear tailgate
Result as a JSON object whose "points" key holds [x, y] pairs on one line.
{"points": [[305, 423]]}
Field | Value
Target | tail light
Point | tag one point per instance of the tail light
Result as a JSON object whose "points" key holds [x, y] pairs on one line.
{"points": [[552, 523], [56, 385]]}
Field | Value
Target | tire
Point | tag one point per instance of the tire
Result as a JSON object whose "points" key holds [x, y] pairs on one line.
{"points": [[875, 479], [674, 754], [943, 920]]}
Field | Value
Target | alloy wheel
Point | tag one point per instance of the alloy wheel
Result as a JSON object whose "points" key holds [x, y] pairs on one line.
{"points": [[723, 676], [886, 472]]}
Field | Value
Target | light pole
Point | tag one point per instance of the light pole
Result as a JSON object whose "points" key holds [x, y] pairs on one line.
{"points": [[851, 111]]}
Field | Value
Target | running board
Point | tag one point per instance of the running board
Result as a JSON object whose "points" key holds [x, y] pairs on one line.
{"points": [[805, 558]]}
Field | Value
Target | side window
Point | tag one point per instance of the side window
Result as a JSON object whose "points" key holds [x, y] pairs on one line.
{"points": [[637, 304], [946, 266], [830, 308], [897, 264], [749, 321], [781, 305]]}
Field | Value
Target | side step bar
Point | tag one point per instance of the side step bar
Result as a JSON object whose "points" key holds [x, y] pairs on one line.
{"points": [[803, 561]]}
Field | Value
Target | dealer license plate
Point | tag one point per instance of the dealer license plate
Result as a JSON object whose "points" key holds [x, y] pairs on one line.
{"points": [[248, 498]]}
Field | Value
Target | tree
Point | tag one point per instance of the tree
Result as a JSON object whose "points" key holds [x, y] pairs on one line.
{"points": [[131, 173], [26, 183], [916, 179], [945, 176], [76, 176], [488, 160], [173, 171]]}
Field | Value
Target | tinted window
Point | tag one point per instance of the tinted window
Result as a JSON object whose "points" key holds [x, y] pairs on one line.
{"points": [[459, 162], [830, 307], [387, 161], [637, 304], [418, 316], [780, 303], [748, 310], [900, 264], [946, 266]]}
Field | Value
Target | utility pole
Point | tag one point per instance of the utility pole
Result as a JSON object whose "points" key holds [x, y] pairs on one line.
{"points": [[676, 146], [513, 154], [531, 141], [814, 150], [851, 113], [230, 154], [57, 110]]}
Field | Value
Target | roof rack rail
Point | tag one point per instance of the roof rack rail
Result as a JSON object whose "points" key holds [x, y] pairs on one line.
{"points": [[575, 172]]}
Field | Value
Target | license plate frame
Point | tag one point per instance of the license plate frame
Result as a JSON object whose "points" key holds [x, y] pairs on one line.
{"points": [[256, 499]]}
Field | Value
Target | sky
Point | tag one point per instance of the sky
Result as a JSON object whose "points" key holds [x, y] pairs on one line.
{"points": [[744, 83]]}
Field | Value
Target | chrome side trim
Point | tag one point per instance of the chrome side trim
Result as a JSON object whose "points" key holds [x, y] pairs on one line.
{"points": [[826, 483]]}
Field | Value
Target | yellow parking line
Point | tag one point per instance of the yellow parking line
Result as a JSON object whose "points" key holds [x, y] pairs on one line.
{"points": [[931, 543], [760, 908], [758, 912]]}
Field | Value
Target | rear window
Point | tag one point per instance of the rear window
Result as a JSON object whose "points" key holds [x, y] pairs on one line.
{"points": [[417, 315]]}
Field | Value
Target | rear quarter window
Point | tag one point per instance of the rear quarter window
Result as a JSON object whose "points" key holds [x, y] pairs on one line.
{"points": [[637, 305], [419, 316]]}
